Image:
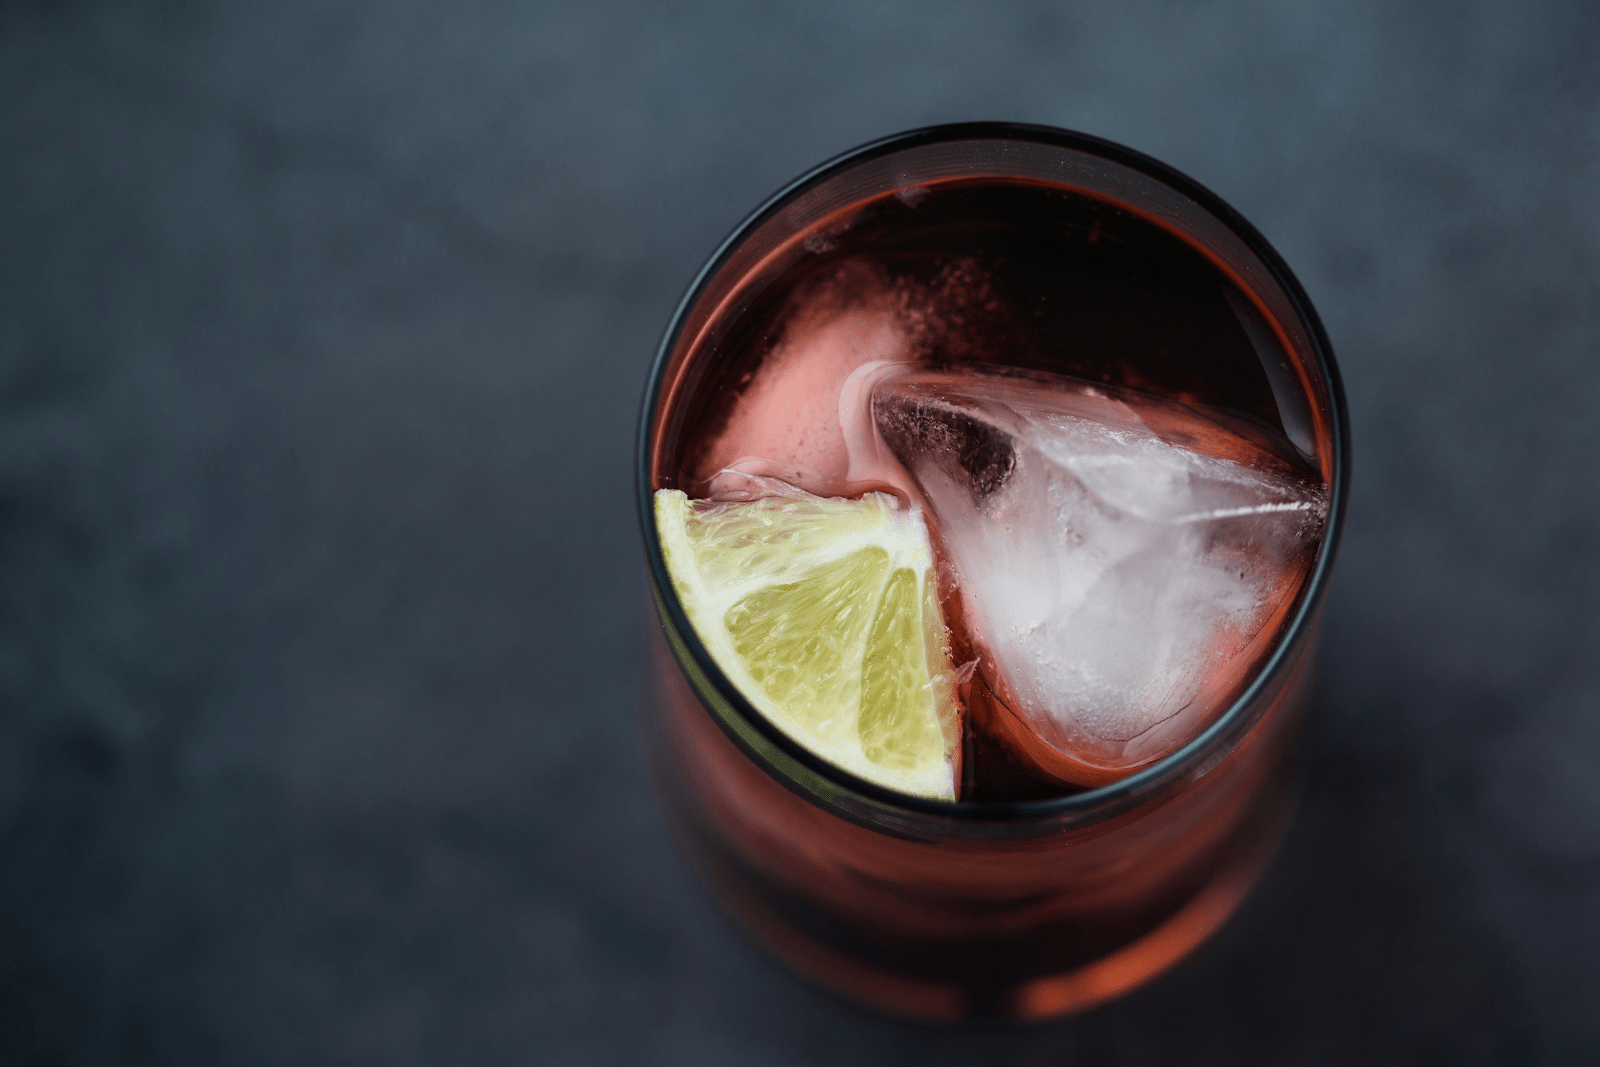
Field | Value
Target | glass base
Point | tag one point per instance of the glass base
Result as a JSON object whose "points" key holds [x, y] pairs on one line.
{"points": [[1050, 996]]}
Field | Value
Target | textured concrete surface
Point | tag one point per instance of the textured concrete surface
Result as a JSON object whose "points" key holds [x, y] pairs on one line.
{"points": [[322, 328]]}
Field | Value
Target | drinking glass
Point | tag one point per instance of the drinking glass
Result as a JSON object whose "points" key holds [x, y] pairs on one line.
{"points": [[953, 911]]}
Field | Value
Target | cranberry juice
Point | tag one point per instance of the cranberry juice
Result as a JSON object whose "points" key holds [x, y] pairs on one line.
{"points": [[1028, 277]]}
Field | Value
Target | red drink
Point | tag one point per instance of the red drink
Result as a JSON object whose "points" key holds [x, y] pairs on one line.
{"points": [[937, 285]]}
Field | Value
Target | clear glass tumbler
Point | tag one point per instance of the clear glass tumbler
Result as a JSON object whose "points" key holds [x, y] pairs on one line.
{"points": [[1024, 909]]}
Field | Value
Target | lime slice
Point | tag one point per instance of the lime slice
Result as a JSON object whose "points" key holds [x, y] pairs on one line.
{"points": [[825, 614]]}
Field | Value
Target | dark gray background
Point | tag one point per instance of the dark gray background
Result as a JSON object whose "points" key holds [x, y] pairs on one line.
{"points": [[322, 330]]}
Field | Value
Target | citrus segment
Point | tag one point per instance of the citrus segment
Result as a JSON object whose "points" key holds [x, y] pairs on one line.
{"points": [[824, 613], [899, 727]]}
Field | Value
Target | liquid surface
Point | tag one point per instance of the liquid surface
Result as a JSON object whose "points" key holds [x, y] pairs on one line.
{"points": [[1090, 414]]}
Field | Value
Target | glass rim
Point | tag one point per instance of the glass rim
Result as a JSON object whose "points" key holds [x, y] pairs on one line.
{"points": [[1141, 781]]}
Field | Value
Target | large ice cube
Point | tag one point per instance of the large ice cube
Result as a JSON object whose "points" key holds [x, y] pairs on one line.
{"points": [[1121, 561]]}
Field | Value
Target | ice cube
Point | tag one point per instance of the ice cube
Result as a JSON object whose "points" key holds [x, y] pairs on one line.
{"points": [[787, 424], [1121, 561]]}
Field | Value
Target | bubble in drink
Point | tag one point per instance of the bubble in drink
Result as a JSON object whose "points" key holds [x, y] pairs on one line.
{"points": [[1115, 556]]}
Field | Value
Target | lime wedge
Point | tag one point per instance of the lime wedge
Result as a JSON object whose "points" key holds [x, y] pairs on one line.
{"points": [[825, 614]]}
